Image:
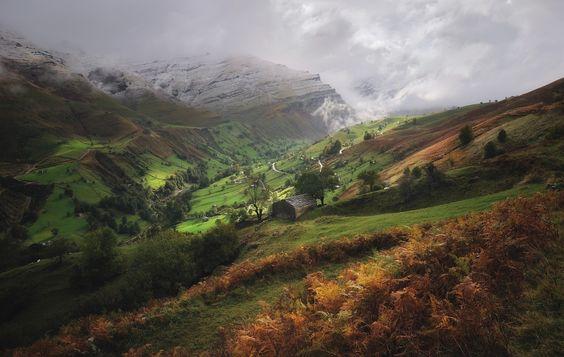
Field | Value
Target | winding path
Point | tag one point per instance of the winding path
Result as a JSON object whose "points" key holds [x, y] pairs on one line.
{"points": [[320, 165], [275, 169]]}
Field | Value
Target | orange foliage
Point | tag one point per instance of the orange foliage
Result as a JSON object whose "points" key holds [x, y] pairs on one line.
{"points": [[98, 332], [456, 285]]}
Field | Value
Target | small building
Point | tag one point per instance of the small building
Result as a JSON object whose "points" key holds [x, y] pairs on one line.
{"points": [[293, 207]]}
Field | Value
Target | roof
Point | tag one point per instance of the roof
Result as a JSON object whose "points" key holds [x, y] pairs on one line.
{"points": [[301, 201]]}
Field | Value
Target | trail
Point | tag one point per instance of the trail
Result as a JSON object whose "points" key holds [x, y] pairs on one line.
{"points": [[320, 165], [275, 169]]}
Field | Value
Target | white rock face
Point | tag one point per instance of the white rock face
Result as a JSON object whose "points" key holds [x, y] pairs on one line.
{"points": [[234, 87], [238, 84]]}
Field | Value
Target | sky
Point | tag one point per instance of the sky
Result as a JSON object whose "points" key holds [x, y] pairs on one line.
{"points": [[382, 56]]}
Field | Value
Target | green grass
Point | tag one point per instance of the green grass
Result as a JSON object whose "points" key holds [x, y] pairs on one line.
{"points": [[158, 170], [74, 148], [279, 236], [198, 225], [58, 213]]}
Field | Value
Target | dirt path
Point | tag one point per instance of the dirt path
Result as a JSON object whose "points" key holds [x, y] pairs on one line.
{"points": [[276, 170], [320, 165]]}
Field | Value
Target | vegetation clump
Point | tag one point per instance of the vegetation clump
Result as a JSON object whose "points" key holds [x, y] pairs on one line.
{"points": [[316, 184], [99, 261], [466, 135], [502, 136], [370, 178], [333, 148], [490, 150]]}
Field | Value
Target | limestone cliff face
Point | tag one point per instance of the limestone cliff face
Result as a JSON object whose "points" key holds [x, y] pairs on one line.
{"points": [[237, 85]]}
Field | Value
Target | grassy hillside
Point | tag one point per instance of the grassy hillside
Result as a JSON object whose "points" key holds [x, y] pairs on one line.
{"points": [[141, 168]]}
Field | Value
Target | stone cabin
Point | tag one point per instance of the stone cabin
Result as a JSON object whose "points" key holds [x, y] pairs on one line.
{"points": [[293, 207]]}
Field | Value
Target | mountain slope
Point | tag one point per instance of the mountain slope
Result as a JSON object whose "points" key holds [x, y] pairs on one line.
{"points": [[251, 90]]}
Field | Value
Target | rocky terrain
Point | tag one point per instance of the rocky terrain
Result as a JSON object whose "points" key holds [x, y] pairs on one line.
{"points": [[237, 85]]}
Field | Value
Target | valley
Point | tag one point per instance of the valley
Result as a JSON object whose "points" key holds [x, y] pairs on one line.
{"points": [[135, 214]]}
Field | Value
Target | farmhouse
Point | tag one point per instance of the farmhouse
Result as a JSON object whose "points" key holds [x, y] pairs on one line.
{"points": [[293, 207]]}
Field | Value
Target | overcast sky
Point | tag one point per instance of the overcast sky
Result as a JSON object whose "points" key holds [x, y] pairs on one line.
{"points": [[408, 54]]}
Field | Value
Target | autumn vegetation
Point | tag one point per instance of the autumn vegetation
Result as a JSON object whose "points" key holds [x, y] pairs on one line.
{"points": [[451, 288], [453, 292]]}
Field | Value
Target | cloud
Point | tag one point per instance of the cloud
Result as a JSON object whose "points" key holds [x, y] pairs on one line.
{"points": [[382, 56]]}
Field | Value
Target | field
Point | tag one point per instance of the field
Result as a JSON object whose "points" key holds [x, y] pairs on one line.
{"points": [[199, 225], [280, 236]]}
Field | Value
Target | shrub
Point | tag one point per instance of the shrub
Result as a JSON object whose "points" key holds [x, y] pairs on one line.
{"points": [[490, 150], [502, 136], [454, 292], [466, 135], [368, 136], [162, 265], [333, 148]]}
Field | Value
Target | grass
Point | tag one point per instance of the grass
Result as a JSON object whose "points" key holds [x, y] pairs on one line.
{"points": [[278, 236], [49, 300], [158, 170], [58, 213], [198, 225], [355, 134], [195, 324]]}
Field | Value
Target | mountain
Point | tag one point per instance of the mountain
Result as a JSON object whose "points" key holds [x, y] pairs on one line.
{"points": [[94, 131], [251, 90]]}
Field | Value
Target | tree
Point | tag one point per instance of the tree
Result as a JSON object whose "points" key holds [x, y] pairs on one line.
{"points": [[434, 175], [416, 172], [100, 260], [490, 150], [317, 183], [310, 183], [466, 135], [258, 195], [405, 185], [502, 136], [368, 136], [59, 247], [369, 178], [333, 148]]}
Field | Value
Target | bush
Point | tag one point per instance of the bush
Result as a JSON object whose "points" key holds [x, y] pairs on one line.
{"points": [[466, 135], [502, 136], [333, 148], [163, 265], [490, 150]]}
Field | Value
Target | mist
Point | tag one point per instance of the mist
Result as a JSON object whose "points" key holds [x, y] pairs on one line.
{"points": [[381, 56]]}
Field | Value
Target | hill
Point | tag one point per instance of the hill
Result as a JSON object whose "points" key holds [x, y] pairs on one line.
{"points": [[359, 237]]}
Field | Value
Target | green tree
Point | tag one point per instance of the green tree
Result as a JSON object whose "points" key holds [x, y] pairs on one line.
{"points": [[406, 185], [369, 178], [434, 176], [317, 183], [490, 150], [258, 195], [416, 172], [333, 148], [368, 136], [59, 247], [502, 136], [100, 260], [466, 135]]}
